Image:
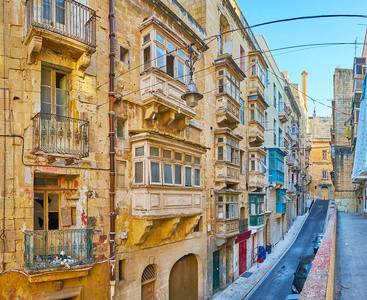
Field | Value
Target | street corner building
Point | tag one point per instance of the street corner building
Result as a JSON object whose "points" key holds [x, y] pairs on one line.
{"points": [[150, 150]]}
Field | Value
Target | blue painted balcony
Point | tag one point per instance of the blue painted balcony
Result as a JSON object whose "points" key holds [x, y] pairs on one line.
{"points": [[276, 165], [281, 204]]}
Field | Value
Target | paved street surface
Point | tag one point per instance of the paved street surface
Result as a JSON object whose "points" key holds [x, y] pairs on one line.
{"points": [[277, 283], [351, 268]]}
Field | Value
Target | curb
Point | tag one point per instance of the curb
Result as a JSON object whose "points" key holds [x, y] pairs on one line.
{"points": [[265, 273]]}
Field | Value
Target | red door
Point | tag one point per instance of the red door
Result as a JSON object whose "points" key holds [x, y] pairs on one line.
{"points": [[242, 256]]}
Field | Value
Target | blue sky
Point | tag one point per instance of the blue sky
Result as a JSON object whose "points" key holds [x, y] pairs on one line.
{"points": [[320, 62]]}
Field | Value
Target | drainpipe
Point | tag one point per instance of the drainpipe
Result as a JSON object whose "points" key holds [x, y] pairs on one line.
{"points": [[111, 135]]}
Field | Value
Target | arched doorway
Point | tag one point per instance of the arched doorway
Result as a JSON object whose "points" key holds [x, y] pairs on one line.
{"points": [[148, 283], [183, 279], [324, 193]]}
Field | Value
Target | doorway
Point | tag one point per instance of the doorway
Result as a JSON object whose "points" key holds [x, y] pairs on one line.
{"points": [[324, 193], [183, 280], [148, 283], [215, 271]]}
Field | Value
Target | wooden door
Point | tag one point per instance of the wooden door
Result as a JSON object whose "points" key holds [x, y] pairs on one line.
{"points": [[324, 193], [215, 270], [183, 280], [147, 291], [242, 256]]}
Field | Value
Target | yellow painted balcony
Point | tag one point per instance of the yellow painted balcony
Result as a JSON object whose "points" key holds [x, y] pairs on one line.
{"points": [[256, 133], [227, 111], [227, 172], [161, 96]]}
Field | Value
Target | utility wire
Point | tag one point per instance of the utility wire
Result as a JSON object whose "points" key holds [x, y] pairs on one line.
{"points": [[245, 28]]}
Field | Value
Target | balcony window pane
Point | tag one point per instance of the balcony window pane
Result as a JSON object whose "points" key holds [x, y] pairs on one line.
{"points": [[227, 199], [53, 211], [60, 11], [170, 65], [121, 169], [167, 173], [178, 175], [46, 99], [147, 59], [188, 176], [228, 153], [138, 172], [160, 38], [46, 9], [180, 53], [197, 160], [178, 156], [160, 58], [220, 86], [227, 211], [188, 158], [253, 209], [252, 115], [180, 71], [139, 151], [220, 198], [197, 177], [38, 217], [120, 128], [154, 172], [170, 46], [61, 102], [154, 151], [220, 153], [166, 153], [220, 213]]}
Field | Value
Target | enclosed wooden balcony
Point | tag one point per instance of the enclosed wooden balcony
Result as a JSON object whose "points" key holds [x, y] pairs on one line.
{"points": [[257, 220], [227, 228], [63, 26], [161, 97], [59, 135], [227, 172], [227, 111], [256, 180], [256, 133]]}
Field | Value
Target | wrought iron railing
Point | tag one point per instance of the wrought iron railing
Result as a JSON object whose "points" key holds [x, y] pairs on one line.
{"points": [[243, 225], [45, 249], [65, 17], [59, 134]]}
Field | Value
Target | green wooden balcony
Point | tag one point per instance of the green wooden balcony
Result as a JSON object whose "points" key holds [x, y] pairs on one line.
{"points": [[257, 220]]}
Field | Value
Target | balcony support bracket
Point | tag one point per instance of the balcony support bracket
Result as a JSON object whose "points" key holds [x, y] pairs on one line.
{"points": [[168, 117], [169, 227], [83, 62], [34, 49], [141, 230], [191, 223], [151, 111], [183, 123]]}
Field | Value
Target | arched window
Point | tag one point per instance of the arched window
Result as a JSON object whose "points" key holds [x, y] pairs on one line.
{"points": [[148, 283]]}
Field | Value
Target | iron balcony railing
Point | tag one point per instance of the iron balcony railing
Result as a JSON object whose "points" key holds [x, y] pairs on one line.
{"points": [[68, 18], [243, 225], [45, 249], [61, 135]]}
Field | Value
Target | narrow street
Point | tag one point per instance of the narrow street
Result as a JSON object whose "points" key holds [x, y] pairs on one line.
{"points": [[277, 284]]}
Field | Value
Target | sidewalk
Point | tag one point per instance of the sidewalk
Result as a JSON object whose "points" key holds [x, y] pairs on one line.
{"points": [[243, 286], [351, 268]]}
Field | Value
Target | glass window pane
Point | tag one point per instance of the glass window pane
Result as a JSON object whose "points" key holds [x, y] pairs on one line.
{"points": [[147, 58], [53, 202], [46, 9], [120, 129], [154, 151], [167, 153], [160, 38], [178, 175], [121, 168], [61, 111], [180, 71], [160, 58], [170, 46], [197, 177], [220, 153], [188, 158], [167, 173], [38, 215], [197, 160], [60, 11], [180, 53], [139, 151], [228, 153], [138, 172], [188, 176], [178, 156], [61, 97], [154, 169], [220, 198]]}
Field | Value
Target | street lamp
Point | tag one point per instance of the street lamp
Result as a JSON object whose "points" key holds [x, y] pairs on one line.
{"points": [[192, 95]]}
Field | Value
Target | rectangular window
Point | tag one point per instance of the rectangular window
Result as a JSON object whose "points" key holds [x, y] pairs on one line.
{"points": [[220, 153], [159, 38], [228, 153], [197, 160], [139, 172], [275, 95], [154, 151], [178, 175], [180, 71], [154, 172], [324, 175], [160, 58], [120, 127], [178, 156], [167, 169], [139, 151], [188, 158], [121, 173], [197, 177], [324, 154], [253, 165], [124, 55], [220, 86], [252, 115], [242, 112], [170, 65], [180, 53], [146, 58], [188, 176], [272, 164], [166, 153], [170, 46], [242, 59], [146, 38]]}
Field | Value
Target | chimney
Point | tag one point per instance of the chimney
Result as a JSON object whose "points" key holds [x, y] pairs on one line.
{"points": [[304, 87]]}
